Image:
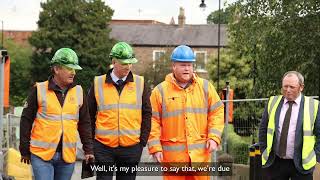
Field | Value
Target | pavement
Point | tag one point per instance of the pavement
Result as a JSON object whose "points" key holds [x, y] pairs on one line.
{"points": [[144, 158]]}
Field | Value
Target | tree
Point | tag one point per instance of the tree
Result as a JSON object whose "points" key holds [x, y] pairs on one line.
{"points": [[20, 64], [156, 71], [279, 36], [233, 69], [77, 24], [225, 15]]}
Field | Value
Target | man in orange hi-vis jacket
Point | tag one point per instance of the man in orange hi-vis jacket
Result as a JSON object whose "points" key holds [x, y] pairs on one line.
{"points": [[187, 116]]}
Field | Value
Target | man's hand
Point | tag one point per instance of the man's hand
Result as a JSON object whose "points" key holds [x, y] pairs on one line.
{"points": [[211, 145], [25, 159], [89, 158], [158, 156]]}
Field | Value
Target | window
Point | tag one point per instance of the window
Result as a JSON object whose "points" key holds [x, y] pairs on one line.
{"points": [[201, 60], [158, 55]]}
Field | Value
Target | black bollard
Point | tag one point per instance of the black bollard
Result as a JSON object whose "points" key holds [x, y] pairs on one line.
{"points": [[252, 162], [258, 163]]}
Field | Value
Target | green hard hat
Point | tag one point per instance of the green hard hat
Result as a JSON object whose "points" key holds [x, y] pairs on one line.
{"points": [[66, 57], [123, 52]]}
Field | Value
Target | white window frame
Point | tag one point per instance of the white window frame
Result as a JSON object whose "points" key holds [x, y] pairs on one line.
{"points": [[154, 56], [205, 58]]}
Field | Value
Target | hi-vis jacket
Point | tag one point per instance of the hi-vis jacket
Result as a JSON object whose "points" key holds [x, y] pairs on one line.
{"points": [[184, 119], [118, 118], [52, 121], [307, 133]]}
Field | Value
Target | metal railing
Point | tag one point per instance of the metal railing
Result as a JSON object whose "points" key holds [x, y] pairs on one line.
{"points": [[11, 128]]}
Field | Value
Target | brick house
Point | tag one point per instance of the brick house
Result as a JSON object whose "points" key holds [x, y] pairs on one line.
{"points": [[20, 37], [153, 40]]}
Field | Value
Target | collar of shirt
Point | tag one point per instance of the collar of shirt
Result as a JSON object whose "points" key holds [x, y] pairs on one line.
{"points": [[115, 78], [296, 101], [109, 79]]}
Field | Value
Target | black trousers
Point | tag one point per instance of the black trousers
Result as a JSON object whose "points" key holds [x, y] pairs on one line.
{"points": [[283, 169], [120, 160]]}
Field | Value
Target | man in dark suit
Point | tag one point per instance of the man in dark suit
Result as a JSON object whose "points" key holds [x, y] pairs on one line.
{"points": [[289, 133]]}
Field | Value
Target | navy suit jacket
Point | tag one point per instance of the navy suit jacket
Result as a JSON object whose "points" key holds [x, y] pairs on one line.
{"points": [[298, 136]]}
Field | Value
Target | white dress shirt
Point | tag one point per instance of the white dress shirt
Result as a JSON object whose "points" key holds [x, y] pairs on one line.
{"points": [[115, 77], [292, 126]]}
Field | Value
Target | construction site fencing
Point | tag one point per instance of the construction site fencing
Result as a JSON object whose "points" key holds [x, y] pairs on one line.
{"points": [[239, 134], [11, 130], [242, 130]]}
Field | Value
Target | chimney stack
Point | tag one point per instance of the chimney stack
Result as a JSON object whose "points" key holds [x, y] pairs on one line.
{"points": [[181, 18]]}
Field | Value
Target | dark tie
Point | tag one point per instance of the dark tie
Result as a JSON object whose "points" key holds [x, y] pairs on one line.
{"points": [[284, 131], [120, 82]]}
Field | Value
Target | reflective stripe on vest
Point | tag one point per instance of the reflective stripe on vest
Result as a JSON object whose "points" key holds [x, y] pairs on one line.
{"points": [[117, 107], [309, 115], [273, 103], [310, 112], [102, 106], [47, 145], [183, 147], [178, 112], [62, 121]]}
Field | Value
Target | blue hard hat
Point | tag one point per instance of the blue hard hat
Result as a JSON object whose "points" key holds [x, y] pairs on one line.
{"points": [[183, 53]]}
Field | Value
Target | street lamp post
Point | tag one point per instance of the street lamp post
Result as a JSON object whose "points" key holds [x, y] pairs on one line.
{"points": [[203, 6], [219, 18]]}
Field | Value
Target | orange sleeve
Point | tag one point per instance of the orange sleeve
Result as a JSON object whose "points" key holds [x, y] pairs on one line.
{"points": [[215, 115], [154, 144]]}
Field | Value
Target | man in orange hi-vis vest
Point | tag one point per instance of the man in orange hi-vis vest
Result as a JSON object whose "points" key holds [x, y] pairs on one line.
{"points": [[55, 111], [120, 110], [187, 116]]}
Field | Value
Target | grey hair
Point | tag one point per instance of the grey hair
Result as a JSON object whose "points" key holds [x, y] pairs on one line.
{"points": [[299, 75], [52, 68]]}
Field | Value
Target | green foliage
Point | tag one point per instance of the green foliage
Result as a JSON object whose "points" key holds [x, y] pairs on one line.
{"points": [[238, 146], [225, 16], [156, 71], [233, 69], [280, 36], [238, 71], [20, 64], [77, 24], [246, 117]]}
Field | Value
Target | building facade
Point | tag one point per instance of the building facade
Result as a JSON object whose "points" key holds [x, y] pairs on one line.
{"points": [[153, 40]]}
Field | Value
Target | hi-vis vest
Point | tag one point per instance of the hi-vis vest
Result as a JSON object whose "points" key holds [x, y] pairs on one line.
{"points": [[118, 119], [52, 121], [309, 115], [183, 120]]}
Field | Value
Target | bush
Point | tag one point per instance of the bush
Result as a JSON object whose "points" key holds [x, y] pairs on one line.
{"points": [[238, 146]]}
